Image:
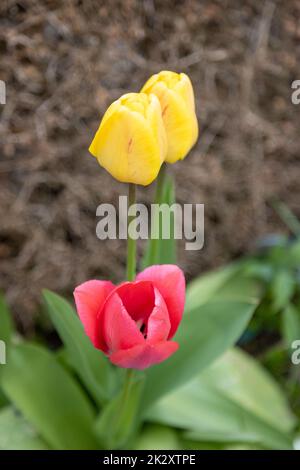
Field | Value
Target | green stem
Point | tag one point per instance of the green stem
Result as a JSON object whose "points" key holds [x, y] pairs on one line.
{"points": [[131, 272], [131, 244], [127, 386], [160, 182], [122, 416]]}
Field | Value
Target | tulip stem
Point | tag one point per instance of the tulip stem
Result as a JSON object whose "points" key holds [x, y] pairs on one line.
{"points": [[131, 243], [127, 384], [124, 416], [160, 182]]}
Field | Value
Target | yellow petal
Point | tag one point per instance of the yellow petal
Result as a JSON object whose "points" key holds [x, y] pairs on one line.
{"points": [[154, 118], [126, 143], [175, 93], [185, 89]]}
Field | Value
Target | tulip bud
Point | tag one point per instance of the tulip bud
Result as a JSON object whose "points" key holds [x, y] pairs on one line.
{"points": [[176, 96], [131, 142]]}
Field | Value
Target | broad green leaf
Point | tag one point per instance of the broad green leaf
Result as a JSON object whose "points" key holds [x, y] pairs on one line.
{"points": [[282, 289], [16, 433], [157, 437], [90, 364], [160, 250], [204, 334], [3, 399], [201, 445], [234, 400], [49, 398], [297, 442], [290, 325], [240, 377], [228, 283], [6, 324], [118, 420], [211, 445], [203, 288]]}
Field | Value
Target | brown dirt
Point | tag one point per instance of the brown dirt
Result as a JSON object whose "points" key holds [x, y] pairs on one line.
{"points": [[64, 62]]}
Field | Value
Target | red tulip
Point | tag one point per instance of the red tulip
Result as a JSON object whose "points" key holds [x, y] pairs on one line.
{"points": [[133, 323]]}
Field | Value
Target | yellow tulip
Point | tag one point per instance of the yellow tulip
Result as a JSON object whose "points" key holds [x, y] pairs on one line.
{"points": [[176, 96], [131, 142]]}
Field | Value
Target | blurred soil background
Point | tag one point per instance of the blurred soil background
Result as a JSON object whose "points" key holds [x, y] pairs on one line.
{"points": [[63, 64]]}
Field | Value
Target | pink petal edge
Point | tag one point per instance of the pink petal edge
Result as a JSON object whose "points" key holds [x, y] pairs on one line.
{"points": [[169, 280], [89, 299], [158, 322], [144, 355]]}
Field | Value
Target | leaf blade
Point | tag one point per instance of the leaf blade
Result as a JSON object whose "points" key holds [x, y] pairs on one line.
{"points": [[91, 365], [218, 326], [234, 400], [49, 398]]}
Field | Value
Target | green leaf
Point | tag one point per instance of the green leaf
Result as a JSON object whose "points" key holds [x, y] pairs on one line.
{"points": [[203, 288], [229, 283], [252, 387], [16, 433], [49, 398], [204, 334], [290, 325], [6, 324], [159, 250], [234, 400], [118, 420], [3, 399], [282, 289], [297, 442], [157, 437], [90, 364]]}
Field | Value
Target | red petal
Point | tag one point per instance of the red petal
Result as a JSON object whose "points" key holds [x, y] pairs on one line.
{"points": [[116, 327], [144, 355], [159, 325], [138, 298], [89, 298], [169, 280]]}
